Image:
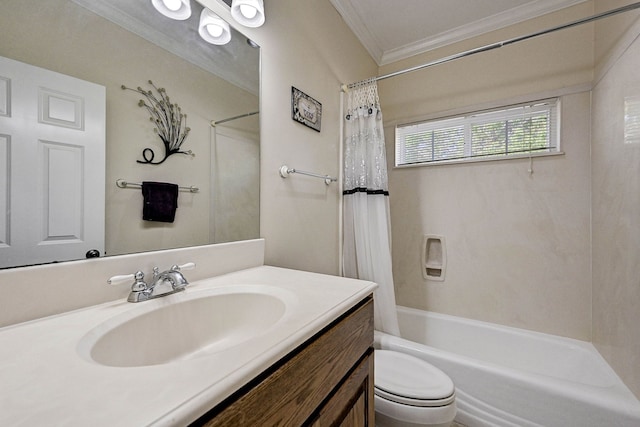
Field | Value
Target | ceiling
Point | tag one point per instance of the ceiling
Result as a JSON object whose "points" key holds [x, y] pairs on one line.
{"points": [[392, 30]]}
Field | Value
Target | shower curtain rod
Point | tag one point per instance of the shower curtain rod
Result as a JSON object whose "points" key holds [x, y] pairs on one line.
{"points": [[497, 45], [219, 122]]}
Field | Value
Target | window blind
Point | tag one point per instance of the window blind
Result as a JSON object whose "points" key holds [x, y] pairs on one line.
{"points": [[515, 130]]}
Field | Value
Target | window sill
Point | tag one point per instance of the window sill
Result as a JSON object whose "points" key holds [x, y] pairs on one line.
{"points": [[480, 160]]}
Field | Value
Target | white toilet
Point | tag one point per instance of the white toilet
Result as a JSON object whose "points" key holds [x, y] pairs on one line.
{"points": [[410, 392]]}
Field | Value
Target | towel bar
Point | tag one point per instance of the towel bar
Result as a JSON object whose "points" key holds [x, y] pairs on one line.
{"points": [[124, 184], [285, 171]]}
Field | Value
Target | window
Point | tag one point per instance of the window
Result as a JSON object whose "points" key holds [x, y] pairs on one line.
{"points": [[514, 131]]}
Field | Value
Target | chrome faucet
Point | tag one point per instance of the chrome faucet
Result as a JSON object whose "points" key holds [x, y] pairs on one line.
{"points": [[171, 278], [164, 283]]}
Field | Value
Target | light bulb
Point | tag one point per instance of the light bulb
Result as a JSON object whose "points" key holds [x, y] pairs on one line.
{"points": [[247, 11], [214, 30], [174, 9], [172, 5]]}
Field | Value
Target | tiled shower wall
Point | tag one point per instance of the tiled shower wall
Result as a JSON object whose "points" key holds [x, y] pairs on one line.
{"points": [[616, 212]]}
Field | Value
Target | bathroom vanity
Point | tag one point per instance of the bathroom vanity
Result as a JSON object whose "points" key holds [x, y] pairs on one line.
{"points": [[259, 346], [326, 381]]}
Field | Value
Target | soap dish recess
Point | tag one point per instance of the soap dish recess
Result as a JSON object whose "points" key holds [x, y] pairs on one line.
{"points": [[434, 257]]}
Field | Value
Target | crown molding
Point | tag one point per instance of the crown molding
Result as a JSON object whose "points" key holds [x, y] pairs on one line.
{"points": [[504, 19], [530, 10], [359, 28]]}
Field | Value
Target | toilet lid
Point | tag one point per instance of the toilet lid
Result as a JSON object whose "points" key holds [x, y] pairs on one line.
{"points": [[406, 379]]}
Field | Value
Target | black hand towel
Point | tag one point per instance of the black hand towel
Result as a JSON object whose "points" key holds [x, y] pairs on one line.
{"points": [[160, 201]]}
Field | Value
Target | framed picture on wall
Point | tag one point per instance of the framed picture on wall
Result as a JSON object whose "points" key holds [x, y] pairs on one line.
{"points": [[305, 109]]}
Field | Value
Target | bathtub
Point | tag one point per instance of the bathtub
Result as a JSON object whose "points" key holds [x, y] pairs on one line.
{"points": [[512, 377]]}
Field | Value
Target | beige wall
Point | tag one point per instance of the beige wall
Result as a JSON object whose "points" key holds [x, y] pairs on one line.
{"points": [[616, 204], [517, 243], [83, 45], [307, 45], [300, 215]]}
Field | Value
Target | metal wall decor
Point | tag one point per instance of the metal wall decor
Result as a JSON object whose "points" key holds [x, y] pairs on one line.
{"points": [[305, 109], [171, 123]]}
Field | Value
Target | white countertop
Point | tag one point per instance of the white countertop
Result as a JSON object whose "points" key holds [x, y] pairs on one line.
{"points": [[45, 379]]}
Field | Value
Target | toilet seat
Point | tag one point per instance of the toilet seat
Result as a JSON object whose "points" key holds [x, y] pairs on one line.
{"points": [[407, 380]]}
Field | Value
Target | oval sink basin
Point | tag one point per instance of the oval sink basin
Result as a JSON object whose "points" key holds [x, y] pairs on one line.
{"points": [[194, 326]]}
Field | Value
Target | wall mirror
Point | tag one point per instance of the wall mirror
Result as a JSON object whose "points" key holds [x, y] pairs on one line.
{"points": [[110, 44]]}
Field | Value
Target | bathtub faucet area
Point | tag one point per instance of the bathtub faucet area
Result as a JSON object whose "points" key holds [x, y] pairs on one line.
{"points": [[164, 283]]}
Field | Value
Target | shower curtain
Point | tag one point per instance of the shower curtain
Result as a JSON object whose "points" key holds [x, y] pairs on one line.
{"points": [[367, 237]]}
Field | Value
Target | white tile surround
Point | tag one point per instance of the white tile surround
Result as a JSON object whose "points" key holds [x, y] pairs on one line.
{"points": [[33, 292], [616, 213]]}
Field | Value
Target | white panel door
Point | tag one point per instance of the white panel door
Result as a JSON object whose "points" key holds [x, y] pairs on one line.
{"points": [[52, 165]]}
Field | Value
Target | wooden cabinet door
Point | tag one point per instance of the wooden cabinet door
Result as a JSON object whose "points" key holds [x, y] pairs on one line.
{"points": [[352, 403]]}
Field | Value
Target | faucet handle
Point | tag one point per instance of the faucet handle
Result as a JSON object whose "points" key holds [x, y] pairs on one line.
{"points": [[138, 277], [187, 266], [116, 280]]}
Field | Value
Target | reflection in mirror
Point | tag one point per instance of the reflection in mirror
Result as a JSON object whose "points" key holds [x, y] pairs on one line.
{"points": [[124, 42]]}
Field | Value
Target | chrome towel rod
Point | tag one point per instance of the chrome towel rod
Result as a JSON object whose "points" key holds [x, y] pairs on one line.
{"points": [[219, 122], [497, 45], [285, 171], [125, 184]]}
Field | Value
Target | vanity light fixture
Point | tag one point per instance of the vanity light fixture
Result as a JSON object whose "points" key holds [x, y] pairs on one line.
{"points": [[174, 9], [213, 29], [249, 13]]}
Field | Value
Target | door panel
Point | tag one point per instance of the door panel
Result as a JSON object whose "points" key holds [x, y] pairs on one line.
{"points": [[53, 132], [62, 177], [5, 97]]}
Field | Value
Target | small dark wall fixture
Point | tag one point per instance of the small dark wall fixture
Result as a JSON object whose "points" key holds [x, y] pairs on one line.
{"points": [[305, 109], [170, 122]]}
